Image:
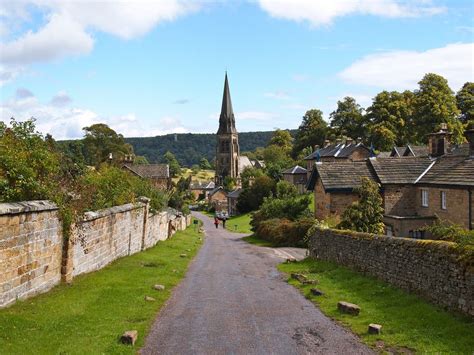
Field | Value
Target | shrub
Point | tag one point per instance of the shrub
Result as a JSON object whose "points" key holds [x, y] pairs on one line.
{"points": [[444, 230], [283, 232]]}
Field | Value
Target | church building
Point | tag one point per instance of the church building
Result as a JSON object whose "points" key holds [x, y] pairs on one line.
{"points": [[228, 159]]}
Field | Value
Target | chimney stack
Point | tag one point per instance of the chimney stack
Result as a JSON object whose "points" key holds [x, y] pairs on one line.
{"points": [[470, 138], [349, 141], [327, 142], [438, 142], [338, 141]]}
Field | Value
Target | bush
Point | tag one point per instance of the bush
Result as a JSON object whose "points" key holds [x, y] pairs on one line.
{"points": [[444, 230], [283, 232]]}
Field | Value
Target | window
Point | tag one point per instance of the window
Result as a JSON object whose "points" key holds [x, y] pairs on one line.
{"points": [[424, 198], [443, 200]]}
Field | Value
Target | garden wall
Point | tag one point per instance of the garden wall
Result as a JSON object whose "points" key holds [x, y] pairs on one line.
{"points": [[30, 249], [431, 269]]}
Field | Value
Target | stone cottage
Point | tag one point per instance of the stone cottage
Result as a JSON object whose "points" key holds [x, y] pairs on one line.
{"points": [[297, 176], [158, 174]]}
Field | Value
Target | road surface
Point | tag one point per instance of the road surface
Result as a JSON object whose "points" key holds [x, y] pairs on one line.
{"points": [[234, 301]]}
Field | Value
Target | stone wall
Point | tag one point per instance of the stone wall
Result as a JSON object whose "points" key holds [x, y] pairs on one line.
{"points": [[33, 256], [431, 269], [30, 249]]}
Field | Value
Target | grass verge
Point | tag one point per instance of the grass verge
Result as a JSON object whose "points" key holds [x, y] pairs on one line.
{"points": [[252, 239], [408, 321], [239, 224], [89, 316]]}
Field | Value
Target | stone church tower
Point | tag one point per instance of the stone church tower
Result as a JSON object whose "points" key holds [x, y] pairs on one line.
{"points": [[227, 150]]}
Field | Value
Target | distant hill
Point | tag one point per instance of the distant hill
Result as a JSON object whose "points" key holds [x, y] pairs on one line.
{"points": [[189, 148]]}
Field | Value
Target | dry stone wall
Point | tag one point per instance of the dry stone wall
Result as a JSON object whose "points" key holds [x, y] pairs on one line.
{"points": [[33, 256], [30, 249], [431, 269]]}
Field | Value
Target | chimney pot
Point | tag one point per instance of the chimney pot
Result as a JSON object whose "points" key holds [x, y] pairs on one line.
{"points": [[443, 127], [338, 141]]}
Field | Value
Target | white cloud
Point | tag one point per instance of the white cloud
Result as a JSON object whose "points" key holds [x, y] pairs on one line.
{"points": [[323, 12], [255, 115], [61, 99], [68, 25], [402, 70], [66, 122], [280, 95]]}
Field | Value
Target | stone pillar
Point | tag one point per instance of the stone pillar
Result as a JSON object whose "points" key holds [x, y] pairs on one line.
{"points": [[146, 206]]}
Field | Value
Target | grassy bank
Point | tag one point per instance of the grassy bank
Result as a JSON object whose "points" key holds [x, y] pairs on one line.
{"points": [[408, 322], [239, 224], [252, 239], [88, 316]]}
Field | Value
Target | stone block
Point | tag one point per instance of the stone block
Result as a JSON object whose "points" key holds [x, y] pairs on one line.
{"points": [[299, 277], [374, 328], [349, 308], [316, 292], [129, 337], [159, 287], [149, 299]]}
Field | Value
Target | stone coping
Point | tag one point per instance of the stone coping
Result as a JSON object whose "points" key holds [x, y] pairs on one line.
{"points": [[26, 206], [92, 215], [409, 217]]}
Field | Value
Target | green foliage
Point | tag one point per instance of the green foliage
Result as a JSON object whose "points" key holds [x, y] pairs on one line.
{"points": [[29, 166], [283, 232], [140, 159], [204, 164], [365, 215], [170, 159], [348, 119], [100, 141], [445, 230], [284, 189], [312, 131], [229, 183], [434, 104], [465, 101], [249, 174], [276, 160], [252, 197], [282, 139]]}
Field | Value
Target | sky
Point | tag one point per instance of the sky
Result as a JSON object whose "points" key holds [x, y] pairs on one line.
{"points": [[148, 68]]}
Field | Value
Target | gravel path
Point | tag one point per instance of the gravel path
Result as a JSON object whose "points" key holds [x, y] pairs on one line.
{"points": [[234, 301]]}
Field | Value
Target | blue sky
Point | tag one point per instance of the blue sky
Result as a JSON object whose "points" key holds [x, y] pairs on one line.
{"points": [[156, 67]]}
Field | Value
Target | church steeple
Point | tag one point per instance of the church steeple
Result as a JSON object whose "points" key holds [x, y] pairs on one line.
{"points": [[226, 119]]}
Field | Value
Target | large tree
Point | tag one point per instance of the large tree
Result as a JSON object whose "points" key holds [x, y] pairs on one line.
{"points": [[100, 141], [348, 119], [312, 131], [282, 138], [434, 104], [389, 117], [465, 101], [173, 163]]}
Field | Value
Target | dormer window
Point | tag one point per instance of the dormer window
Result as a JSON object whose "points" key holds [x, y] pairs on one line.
{"points": [[424, 198]]}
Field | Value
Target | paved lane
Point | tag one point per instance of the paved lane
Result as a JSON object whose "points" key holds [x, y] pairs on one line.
{"points": [[234, 301]]}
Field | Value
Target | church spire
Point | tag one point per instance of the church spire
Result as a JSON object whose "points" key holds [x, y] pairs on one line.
{"points": [[226, 119]]}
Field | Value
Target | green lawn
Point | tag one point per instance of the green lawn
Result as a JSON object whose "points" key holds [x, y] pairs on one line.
{"points": [[239, 224], [252, 239], [408, 321], [88, 316]]}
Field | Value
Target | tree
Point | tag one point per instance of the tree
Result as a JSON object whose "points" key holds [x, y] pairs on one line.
{"points": [[365, 215], [173, 164], [281, 139], [229, 183], [204, 164], [348, 119], [465, 101], [312, 131], [248, 174], [140, 159], [252, 197], [434, 104], [390, 115], [100, 141]]}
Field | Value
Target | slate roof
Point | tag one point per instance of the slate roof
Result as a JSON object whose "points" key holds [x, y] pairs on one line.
{"points": [[397, 151], [217, 189], [160, 171], [244, 162], [450, 170], [416, 150], [462, 149], [295, 170], [403, 170], [340, 150], [344, 175], [235, 194]]}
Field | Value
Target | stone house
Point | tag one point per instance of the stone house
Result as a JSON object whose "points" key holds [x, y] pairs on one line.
{"points": [[416, 191], [201, 188], [337, 151], [158, 174], [218, 199], [232, 198], [297, 176]]}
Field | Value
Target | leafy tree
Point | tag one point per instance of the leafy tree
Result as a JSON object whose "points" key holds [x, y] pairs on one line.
{"points": [[195, 169], [390, 115], [282, 139], [312, 131], [229, 183], [140, 159], [348, 119], [284, 189], [252, 197], [435, 104], [248, 174], [465, 101], [204, 164], [29, 165], [365, 215], [170, 159], [276, 160], [100, 141]]}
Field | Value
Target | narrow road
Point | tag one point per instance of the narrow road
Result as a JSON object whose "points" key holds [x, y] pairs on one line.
{"points": [[234, 301]]}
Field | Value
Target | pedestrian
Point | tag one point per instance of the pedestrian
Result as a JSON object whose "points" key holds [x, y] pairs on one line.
{"points": [[223, 222], [216, 222]]}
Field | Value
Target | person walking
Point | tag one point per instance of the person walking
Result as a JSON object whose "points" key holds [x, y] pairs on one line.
{"points": [[216, 222], [223, 222]]}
